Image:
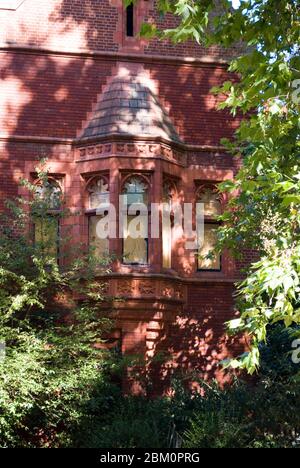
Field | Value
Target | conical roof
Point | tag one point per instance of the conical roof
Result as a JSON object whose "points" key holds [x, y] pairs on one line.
{"points": [[128, 106]]}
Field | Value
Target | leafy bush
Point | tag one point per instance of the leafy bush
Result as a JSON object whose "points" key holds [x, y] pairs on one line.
{"points": [[46, 380], [245, 417], [262, 413], [133, 422], [276, 360]]}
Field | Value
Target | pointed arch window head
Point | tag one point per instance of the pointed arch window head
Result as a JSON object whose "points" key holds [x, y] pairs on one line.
{"points": [[136, 190], [210, 197], [98, 193], [49, 192]]}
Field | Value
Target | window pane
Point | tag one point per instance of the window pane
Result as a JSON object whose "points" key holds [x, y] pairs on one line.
{"points": [[130, 20], [210, 240], [50, 193], [98, 194], [169, 193], [46, 235], [100, 246], [135, 249], [212, 205], [136, 190], [136, 232], [133, 198], [167, 242]]}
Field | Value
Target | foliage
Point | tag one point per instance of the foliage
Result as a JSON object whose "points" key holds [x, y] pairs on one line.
{"points": [[52, 365], [276, 362], [244, 417], [264, 93], [46, 380], [260, 414], [264, 414], [132, 422]]}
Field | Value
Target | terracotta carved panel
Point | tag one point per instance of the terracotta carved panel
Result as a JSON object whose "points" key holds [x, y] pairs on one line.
{"points": [[147, 288], [138, 150]]}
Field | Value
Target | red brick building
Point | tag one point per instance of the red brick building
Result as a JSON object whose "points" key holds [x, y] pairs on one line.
{"points": [[116, 114]]}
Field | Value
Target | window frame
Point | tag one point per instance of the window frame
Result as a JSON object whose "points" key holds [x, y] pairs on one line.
{"points": [[130, 21], [147, 182], [171, 199], [210, 220], [91, 212], [53, 213]]}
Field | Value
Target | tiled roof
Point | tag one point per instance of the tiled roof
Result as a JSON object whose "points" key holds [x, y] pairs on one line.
{"points": [[129, 107]]}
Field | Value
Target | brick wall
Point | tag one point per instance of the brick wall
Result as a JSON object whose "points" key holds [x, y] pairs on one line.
{"points": [[50, 96], [196, 342], [90, 24], [61, 24]]}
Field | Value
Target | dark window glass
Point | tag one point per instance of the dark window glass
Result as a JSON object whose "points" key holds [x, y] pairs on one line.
{"points": [[129, 21]]}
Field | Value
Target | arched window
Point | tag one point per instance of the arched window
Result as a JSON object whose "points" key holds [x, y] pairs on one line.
{"points": [[136, 190], [208, 259], [47, 211], [169, 193], [49, 192], [135, 221], [98, 193], [98, 203]]}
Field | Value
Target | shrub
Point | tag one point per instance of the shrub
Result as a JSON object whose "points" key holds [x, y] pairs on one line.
{"points": [[46, 380], [262, 413], [133, 422]]}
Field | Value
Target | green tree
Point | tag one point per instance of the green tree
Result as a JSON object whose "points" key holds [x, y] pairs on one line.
{"points": [[264, 212]]}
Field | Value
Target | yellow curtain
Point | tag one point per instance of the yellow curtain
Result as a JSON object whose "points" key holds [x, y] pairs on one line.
{"points": [[101, 246], [210, 240]]}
